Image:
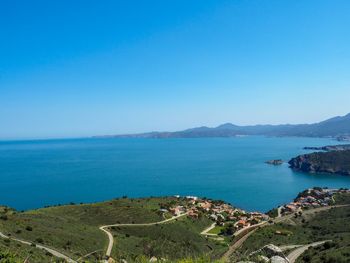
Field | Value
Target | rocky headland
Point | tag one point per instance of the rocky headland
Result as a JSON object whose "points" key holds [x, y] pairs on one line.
{"points": [[334, 161]]}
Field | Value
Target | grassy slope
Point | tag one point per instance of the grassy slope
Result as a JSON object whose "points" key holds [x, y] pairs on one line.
{"points": [[332, 252], [176, 240], [14, 252], [337, 222], [73, 229], [216, 230], [333, 224]]}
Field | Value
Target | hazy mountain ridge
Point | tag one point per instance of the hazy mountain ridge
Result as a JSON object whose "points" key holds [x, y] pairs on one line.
{"points": [[333, 127]]}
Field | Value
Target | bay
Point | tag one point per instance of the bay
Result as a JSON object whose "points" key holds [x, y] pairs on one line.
{"points": [[34, 174]]}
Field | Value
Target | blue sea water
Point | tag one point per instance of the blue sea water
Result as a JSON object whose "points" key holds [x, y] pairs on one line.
{"points": [[38, 173]]}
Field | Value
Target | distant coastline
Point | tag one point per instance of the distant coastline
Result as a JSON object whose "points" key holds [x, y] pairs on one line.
{"points": [[336, 127]]}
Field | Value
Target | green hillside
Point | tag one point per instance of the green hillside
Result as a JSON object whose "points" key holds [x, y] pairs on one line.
{"points": [[74, 230], [169, 241], [14, 252]]}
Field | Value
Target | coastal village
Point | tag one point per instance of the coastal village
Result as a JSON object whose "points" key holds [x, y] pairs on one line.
{"points": [[224, 215], [311, 198], [219, 212]]}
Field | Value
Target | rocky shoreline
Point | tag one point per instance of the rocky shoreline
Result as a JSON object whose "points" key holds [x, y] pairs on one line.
{"points": [[335, 162]]}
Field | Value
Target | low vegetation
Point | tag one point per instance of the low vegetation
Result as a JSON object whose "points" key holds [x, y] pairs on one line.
{"points": [[172, 241], [14, 252], [272, 213], [333, 251], [74, 230]]}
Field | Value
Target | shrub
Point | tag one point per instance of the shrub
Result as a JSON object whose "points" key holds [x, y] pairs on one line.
{"points": [[39, 240], [68, 243], [3, 217], [328, 245]]}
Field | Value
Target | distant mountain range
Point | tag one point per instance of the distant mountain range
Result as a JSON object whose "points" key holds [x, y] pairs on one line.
{"points": [[337, 127]]}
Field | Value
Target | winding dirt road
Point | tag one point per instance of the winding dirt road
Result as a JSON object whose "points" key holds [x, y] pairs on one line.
{"points": [[110, 236], [50, 250], [205, 231]]}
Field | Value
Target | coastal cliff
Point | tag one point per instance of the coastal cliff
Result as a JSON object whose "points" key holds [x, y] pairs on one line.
{"points": [[337, 162]]}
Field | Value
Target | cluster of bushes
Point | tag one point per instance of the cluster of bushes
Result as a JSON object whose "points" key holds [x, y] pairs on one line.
{"points": [[329, 252], [3, 217], [272, 213], [228, 230], [8, 257]]}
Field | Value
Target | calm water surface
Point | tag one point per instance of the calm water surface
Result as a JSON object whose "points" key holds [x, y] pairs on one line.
{"points": [[38, 173]]}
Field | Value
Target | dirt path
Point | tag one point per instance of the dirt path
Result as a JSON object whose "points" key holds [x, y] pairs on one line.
{"points": [[293, 256], [288, 247], [205, 231], [110, 236], [50, 250], [250, 227], [89, 254]]}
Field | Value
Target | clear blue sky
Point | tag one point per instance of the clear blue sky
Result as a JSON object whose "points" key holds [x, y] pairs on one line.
{"points": [[80, 68]]}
